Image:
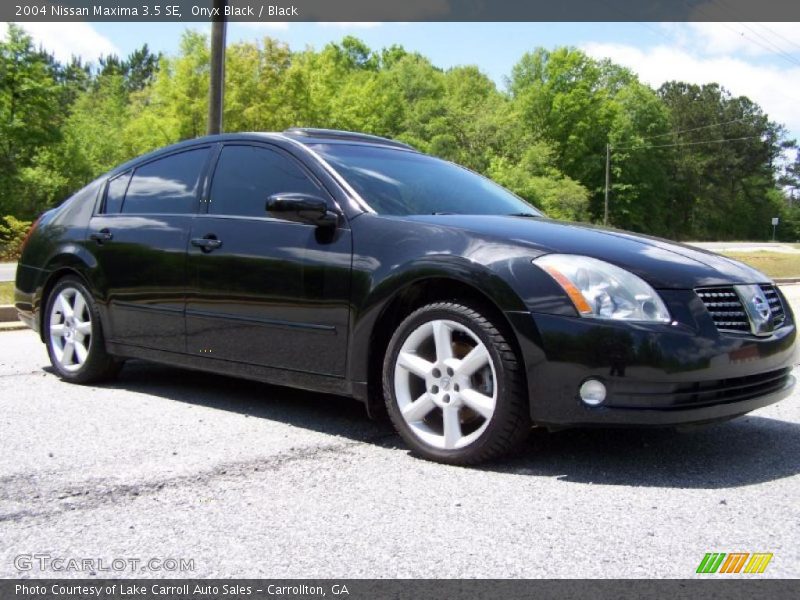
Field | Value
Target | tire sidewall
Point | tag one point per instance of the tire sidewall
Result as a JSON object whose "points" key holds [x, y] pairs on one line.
{"points": [[97, 351], [460, 314]]}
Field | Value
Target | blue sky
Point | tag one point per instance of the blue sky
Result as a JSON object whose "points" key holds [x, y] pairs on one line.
{"points": [[760, 60], [494, 47]]}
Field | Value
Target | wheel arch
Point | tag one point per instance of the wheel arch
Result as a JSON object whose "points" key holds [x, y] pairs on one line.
{"points": [[72, 260], [410, 296]]}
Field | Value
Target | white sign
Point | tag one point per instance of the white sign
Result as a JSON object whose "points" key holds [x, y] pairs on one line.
{"points": [[775, 220]]}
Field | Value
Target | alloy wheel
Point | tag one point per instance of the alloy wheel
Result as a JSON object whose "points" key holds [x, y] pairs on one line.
{"points": [[70, 329], [445, 384]]}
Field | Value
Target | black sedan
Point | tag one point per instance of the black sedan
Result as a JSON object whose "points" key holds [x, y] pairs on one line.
{"points": [[345, 263]]}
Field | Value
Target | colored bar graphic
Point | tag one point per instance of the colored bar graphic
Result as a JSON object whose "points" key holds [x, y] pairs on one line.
{"points": [[703, 563], [758, 563], [711, 562], [734, 562], [720, 562]]}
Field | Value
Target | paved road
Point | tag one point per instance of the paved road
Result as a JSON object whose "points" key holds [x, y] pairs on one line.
{"points": [[250, 479], [8, 271], [748, 247]]}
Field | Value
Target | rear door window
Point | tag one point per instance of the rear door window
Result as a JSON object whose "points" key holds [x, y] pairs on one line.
{"points": [[166, 186]]}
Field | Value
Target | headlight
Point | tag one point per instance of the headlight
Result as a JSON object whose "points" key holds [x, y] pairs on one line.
{"points": [[603, 291]]}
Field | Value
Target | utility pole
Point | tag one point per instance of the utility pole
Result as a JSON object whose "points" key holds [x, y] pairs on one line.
{"points": [[216, 88], [608, 182]]}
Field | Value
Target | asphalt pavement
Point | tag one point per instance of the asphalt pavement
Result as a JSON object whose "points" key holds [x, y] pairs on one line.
{"points": [[8, 271], [778, 247], [246, 479]]}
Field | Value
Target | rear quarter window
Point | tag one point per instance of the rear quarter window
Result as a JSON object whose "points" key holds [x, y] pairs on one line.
{"points": [[115, 193]]}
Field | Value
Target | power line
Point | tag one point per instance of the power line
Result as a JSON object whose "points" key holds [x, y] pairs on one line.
{"points": [[779, 35], [749, 137], [658, 31], [609, 148], [778, 50], [786, 57], [650, 137], [775, 50], [731, 10]]}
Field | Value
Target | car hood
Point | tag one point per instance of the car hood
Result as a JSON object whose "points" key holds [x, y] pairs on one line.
{"points": [[662, 263]]}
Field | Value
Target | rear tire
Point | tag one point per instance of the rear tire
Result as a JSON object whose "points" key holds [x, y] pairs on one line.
{"points": [[74, 335], [454, 387]]}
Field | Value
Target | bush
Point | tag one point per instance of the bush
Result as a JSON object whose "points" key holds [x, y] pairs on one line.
{"points": [[12, 234]]}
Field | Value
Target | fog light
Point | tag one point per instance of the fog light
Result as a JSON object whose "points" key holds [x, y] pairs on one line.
{"points": [[592, 392]]}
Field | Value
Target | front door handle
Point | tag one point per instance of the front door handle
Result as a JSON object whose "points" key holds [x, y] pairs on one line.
{"points": [[104, 235], [208, 243]]}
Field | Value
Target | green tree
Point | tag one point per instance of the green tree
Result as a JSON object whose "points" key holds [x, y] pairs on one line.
{"points": [[538, 181], [578, 106], [724, 169], [30, 97], [62, 124]]}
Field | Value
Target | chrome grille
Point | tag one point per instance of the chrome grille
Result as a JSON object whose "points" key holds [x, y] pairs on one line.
{"points": [[775, 305], [728, 312], [725, 308]]}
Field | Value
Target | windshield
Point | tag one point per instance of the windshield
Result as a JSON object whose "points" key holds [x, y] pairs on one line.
{"points": [[399, 182]]}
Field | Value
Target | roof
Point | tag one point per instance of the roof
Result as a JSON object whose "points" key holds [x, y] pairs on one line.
{"points": [[307, 135], [301, 135]]}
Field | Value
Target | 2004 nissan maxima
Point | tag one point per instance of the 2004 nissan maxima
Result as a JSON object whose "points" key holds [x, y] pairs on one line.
{"points": [[350, 264]]}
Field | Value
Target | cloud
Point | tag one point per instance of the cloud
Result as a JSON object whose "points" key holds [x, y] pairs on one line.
{"points": [[749, 39], [773, 86], [65, 40]]}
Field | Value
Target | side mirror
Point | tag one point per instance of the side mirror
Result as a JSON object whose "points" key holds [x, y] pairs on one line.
{"points": [[302, 208]]}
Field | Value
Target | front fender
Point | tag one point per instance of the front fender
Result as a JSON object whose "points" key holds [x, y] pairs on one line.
{"points": [[448, 266], [390, 254], [458, 269]]}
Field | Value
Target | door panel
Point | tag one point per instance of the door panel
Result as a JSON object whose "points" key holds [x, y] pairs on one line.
{"points": [[273, 294], [269, 292], [139, 241], [143, 272]]}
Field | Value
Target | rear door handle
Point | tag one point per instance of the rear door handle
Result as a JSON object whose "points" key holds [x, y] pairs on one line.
{"points": [[104, 235], [208, 243]]}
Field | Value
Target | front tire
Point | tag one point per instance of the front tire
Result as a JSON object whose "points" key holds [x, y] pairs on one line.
{"points": [[74, 335], [453, 386]]}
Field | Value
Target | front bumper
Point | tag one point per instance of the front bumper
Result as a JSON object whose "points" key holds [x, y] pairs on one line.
{"points": [[656, 375]]}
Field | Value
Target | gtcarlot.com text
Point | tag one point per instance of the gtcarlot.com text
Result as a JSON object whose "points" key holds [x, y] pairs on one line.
{"points": [[72, 564]]}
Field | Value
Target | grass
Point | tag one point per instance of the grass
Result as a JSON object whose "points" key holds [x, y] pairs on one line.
{"points": [[6, 292], [770, 263]]}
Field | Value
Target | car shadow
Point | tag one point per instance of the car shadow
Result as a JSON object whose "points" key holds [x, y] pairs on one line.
{"points": [[324, 413], [746, 451]]}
